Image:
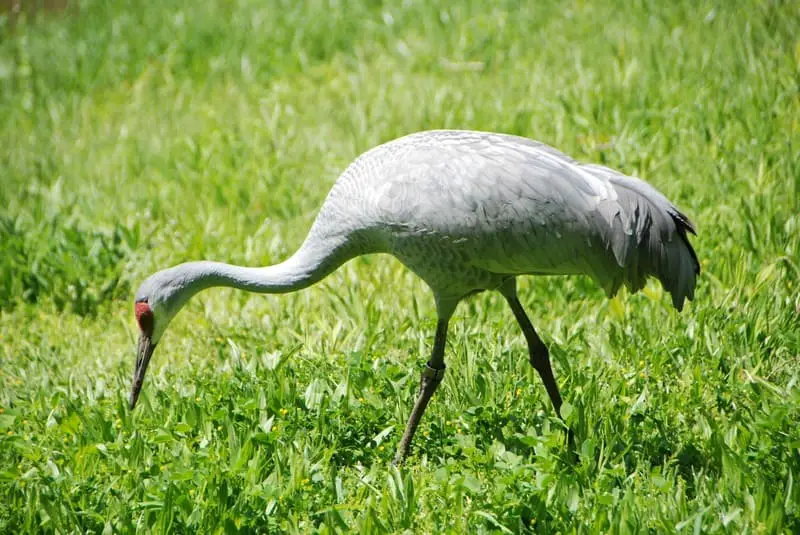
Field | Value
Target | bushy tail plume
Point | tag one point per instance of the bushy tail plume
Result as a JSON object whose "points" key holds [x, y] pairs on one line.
{"points": [[648, 236]]}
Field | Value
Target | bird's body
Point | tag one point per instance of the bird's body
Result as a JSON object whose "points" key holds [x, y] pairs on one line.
{"points": [[469, 211], [466, 210]]}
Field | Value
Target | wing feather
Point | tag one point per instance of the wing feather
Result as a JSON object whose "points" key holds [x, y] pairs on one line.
{"points": [[515, 206]]}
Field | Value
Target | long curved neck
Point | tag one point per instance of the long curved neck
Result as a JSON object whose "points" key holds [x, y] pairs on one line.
{"points": [[310, 264]]}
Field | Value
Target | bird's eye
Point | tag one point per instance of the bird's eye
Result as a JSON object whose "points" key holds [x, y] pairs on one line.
{"points": [[144, 317]]}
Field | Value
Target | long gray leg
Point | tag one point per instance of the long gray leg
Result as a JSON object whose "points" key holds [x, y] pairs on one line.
{"points": [[431, 378], [538, 355]]}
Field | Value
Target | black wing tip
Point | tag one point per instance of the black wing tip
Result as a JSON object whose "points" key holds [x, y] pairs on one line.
{"points": [[683, 222], [683, 225]]}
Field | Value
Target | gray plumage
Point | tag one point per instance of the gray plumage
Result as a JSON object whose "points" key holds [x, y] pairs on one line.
{"points": [[466, 211]]}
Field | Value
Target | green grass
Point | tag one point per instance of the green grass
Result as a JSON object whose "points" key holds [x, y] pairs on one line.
{"points": [[137, 135]]}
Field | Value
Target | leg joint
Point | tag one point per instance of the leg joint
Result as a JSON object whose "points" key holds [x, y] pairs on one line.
{"points": [[435, 374]]}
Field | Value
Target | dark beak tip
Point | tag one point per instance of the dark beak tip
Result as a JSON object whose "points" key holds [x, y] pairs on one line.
{"points": [[144, 352]]}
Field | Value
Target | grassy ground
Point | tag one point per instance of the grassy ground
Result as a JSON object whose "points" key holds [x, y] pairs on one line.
{"points": [[136, 135]]}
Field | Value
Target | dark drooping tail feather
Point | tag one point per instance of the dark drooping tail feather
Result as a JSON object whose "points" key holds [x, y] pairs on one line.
{"points": [[684, 225], [648, 236]]}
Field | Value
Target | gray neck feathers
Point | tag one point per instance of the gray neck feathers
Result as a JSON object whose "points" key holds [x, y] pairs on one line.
{"points": [[310, 264]]}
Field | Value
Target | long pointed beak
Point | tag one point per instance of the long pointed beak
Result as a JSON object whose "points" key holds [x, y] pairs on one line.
{"points": [[143, 354]]}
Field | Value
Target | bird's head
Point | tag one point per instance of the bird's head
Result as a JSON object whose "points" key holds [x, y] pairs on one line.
{"points": [[158, 300]]}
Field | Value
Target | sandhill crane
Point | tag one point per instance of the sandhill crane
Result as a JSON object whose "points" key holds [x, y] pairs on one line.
{"points": [[466, 211]]}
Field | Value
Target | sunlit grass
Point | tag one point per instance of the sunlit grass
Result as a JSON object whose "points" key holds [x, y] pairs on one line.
{"points": [[139, 135]]}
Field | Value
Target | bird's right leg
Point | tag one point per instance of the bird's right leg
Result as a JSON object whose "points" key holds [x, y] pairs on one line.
{"points": [[539, 356], [431, 378]]}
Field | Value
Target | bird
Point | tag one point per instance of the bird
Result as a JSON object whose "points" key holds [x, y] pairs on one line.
{"points": [[466, 211]]}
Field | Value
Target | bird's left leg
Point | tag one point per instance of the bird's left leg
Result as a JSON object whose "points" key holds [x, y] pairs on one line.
{"points": [[539, 355], [431, 378]]}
